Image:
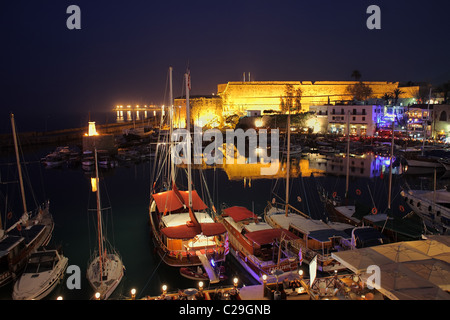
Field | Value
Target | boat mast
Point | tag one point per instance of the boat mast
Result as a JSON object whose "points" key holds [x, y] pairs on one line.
{"points": [[99, 220], [19, 168], [172, 163], [288, 159], [426, 127], [347, 177], [188, 137], [390, 166]]}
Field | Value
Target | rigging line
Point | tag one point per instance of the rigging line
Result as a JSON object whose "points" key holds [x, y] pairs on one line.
{"points": [[306, 196], [25, 172], [88, 215], [151, 276], [207, 192], [109, 215], [371, 197]]}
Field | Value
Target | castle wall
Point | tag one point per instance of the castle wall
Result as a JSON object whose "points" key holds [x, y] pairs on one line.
{"points": [[205, 111], [266, 95]]}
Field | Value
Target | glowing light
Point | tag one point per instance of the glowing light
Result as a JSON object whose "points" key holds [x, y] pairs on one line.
{"points": [[91, 130], [94, 184], [97, 295], [258, 123], [213, 263]]}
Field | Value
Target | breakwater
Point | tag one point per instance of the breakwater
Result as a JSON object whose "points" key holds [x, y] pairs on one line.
{"points": [[73, 135]]}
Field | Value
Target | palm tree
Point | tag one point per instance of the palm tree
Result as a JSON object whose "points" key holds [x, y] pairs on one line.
{"points": [[386, 97], [396, 93], [356, 74]]}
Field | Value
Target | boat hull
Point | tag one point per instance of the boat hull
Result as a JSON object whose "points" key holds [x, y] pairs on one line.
{"points": [[434, 216], [42, 285], [113, 267], [179, 258]]}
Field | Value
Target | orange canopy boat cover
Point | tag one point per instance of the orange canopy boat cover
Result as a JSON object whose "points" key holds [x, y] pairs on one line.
{"points": [[239, 213], [173, 200]]}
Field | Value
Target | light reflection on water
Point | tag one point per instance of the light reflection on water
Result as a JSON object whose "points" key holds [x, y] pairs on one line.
{"points": [[128, 194]]}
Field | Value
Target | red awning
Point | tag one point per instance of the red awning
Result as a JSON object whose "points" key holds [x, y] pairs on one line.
{"points": [[167, 201], [212, 229], [239, 213], [172, 200], [266, 236], [181, 232], [197, 202]]}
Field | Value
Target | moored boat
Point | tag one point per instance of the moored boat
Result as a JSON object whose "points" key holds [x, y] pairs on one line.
{"points": [[42, 274], [183, 228], [317, 238], [258, 247], [432, 206], [20, 238], [105, 267]]}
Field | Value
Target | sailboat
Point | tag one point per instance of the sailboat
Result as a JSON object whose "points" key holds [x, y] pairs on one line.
{"points": [[23, 237], [316, 238], [261, 249], [432, 206], [390, 228], [184, 232], [105, 267]]}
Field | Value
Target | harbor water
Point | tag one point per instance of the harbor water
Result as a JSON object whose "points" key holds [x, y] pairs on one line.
{"points": [[125, 189]]}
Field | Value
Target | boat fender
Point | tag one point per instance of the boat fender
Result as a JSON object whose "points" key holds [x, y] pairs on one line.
{"points": [[374, 210]]}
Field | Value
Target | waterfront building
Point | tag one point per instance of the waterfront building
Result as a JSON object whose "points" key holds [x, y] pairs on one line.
{"points": [[441, 121], [419, 120], [363, 119]]}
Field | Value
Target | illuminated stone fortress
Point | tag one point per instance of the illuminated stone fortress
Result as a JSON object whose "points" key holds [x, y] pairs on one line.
{"points": [[265, 95], [238, 97]]}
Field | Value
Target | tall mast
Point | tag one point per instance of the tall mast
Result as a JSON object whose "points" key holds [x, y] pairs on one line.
{"points": [[426, 127], [99, 219], [172, 163], [288, 160], [347, 177], [188, 127], [390, 167], [19, 168]]}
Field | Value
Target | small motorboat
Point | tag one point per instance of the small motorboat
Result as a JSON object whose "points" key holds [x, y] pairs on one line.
{"points": [[41, 275]]}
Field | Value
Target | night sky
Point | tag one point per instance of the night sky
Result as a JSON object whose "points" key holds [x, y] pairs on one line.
{"points": [[124, 48]]}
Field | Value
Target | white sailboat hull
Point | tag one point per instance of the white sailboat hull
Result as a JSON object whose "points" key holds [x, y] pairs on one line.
{"points": [[113, 272], [430, 207]]}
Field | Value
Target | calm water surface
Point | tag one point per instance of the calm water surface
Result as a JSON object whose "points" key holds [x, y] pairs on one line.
{"points": [[126, 191]]}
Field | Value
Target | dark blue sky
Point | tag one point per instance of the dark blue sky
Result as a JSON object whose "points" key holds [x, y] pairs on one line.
{"points": [[123, 51]]}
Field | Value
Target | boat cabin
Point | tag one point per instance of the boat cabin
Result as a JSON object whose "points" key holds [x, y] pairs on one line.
{"points": [[257, 238]]}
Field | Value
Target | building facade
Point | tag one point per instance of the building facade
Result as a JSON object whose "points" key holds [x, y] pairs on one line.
{"points": [[363, 119]]}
